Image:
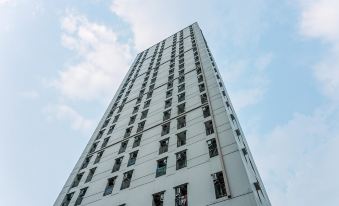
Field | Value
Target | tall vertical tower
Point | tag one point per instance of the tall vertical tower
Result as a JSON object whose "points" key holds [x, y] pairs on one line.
{"points": [[169, 137]]}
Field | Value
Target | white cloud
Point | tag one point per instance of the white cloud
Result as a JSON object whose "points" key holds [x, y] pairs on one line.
{"points": [[320, 19], [297, 159], [66, 113], [101, 61]]}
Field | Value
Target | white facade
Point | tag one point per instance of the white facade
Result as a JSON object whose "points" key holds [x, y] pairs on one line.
{"points": [[238, 180]]}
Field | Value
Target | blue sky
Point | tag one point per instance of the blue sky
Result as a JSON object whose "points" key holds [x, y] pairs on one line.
{"points": [[62, 61]]}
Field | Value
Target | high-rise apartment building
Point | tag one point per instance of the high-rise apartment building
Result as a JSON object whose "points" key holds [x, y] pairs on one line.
{"points": [[169, 137]]}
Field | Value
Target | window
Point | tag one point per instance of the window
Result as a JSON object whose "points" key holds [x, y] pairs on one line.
{"points": [[147, 103], [169, 93], [169, 85], [181, 50], [153, 79], [116, 118], [201, 87], [94, 146], [132, 158], [212, 147], [181, 87], [141, 126], [143, 85], [233, 119], [132, 119], [163, 146], [117, 164], [137, 140], [128, 132], [181, 138], [165, 129], [181, 79], [98, 157], [206, 111], [181, 195], [161, 167], [200, 78], [203, 98], [77, 180], [171, 77], [135, 109], [111, 128], [138, 100], [181, 70], [144, 114], [109, 186], [90, 175], [167, 115], [181, 67], [82, 193], [86, 162], [228, 104], [168, 103], [149, 94], [181, 108], [100, 134], [67, 199], [219, 185], [209, 127], [105, 123], [198, 70], [120, 108], [171, 71], [141, 93], [181, 97], [123, 146], [158, 199], [181, 160], [126, 179], [104, 143], [181, 122]]}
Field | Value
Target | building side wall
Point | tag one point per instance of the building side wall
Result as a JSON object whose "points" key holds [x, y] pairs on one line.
{"points": [[231, 160]]}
